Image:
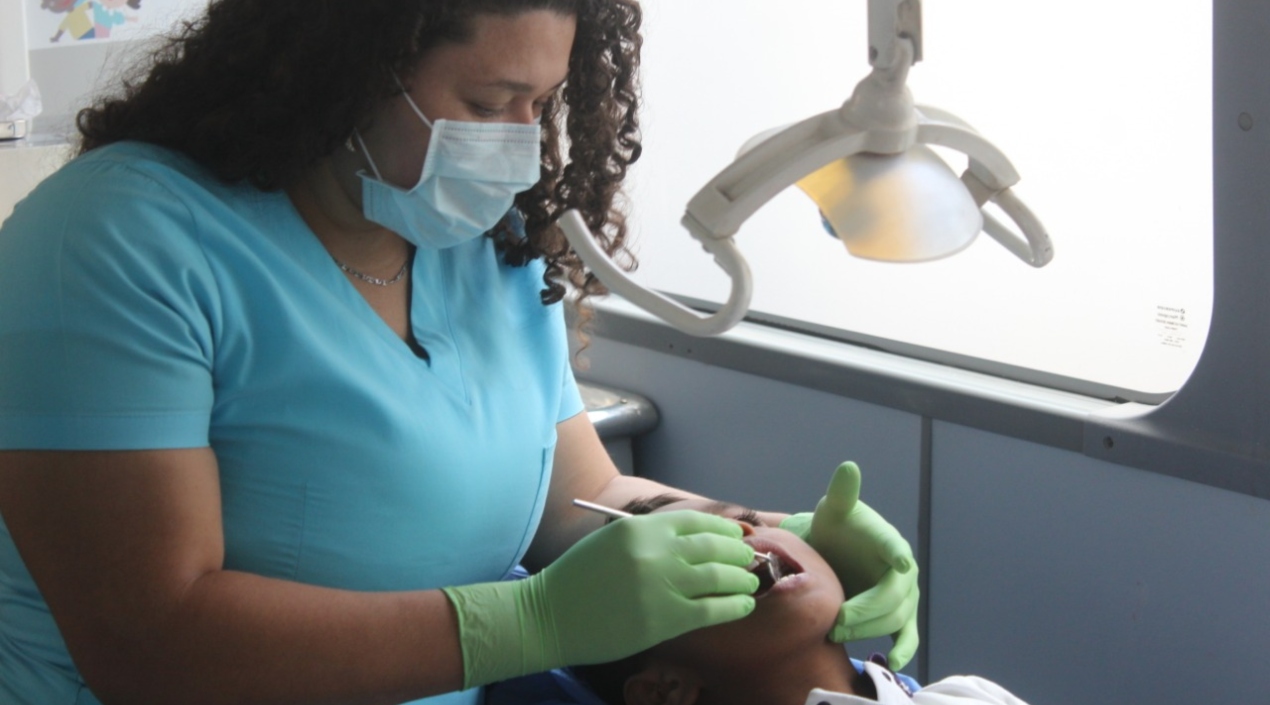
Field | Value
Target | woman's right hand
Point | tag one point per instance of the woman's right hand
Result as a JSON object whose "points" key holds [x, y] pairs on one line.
{"points": [[645, 579], [618, 591]]}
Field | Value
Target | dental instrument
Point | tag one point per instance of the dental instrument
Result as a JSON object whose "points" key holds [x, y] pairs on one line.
{"points": [[767, 559], [601, 509]]}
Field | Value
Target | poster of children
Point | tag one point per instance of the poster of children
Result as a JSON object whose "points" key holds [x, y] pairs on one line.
{"points": [[52, 23]]}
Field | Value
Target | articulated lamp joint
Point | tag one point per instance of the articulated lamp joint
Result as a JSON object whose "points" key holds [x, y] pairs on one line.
{"points": [[882, 106]]}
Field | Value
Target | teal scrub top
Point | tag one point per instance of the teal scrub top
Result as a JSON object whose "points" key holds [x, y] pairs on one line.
{"points": [[144, 304]]}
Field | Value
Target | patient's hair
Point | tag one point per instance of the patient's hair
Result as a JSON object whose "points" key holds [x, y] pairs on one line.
{"points": [[648, 505], [607, 680]]}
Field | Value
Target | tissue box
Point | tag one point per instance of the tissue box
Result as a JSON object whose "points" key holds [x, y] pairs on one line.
{"points": [[17, 110]]}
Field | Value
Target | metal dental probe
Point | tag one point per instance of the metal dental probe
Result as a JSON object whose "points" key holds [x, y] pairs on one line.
{"points": [[773, 568], [601, 509]]}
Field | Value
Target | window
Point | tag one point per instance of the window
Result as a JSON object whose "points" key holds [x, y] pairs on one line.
{"points": [[1104, 109]]}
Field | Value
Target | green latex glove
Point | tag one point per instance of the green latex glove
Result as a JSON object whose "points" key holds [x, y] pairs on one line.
{"points": [[632, 584], [874, 563]]}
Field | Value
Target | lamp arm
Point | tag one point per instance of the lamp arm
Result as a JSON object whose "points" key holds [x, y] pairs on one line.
{"points": [[878, 117], [890, 21], [990, 177], [726, 255], [1035, 246], [942, 128], [770, 167]]}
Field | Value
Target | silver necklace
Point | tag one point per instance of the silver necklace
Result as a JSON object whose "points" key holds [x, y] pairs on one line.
{"points": [[377, 281]]}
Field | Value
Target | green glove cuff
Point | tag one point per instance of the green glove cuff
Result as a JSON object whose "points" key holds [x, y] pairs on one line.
{"points": [[502, 631]]}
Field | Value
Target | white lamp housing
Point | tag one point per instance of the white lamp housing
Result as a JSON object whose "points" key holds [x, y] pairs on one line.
{"points": [[895, 207], [850, 157]]}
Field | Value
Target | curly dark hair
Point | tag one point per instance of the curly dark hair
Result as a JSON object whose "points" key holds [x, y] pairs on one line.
{"points": [[261, 90]]}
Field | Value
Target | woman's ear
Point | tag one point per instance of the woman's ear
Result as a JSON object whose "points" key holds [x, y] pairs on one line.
{"points": [[661, 684]]}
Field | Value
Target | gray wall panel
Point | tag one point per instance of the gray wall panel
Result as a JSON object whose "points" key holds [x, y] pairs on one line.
{"points": [[1075, 580]]}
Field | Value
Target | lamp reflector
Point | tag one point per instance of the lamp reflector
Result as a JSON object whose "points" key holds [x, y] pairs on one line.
{"points": [[907, 207]]}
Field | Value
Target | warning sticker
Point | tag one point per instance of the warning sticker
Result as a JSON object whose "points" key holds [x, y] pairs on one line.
{"points": [[1172, 326]]}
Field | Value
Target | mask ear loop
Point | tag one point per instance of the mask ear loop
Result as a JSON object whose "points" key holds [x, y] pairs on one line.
{"points": [[366, 153], [406, 94]]}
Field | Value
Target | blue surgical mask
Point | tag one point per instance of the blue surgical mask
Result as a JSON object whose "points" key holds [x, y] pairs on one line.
{"points": [[470, 178]]}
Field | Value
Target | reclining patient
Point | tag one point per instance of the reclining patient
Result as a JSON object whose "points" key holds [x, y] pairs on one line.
{"points": [[779, 654]]}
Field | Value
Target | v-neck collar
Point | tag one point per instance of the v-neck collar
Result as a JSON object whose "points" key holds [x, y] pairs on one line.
{"points": [[429, 317]]}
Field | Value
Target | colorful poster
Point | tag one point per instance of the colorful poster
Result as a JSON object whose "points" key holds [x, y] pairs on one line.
{"points": [[54, 23]]}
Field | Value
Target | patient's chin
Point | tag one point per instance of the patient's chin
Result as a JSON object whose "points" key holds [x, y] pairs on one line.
{"points": [[801, 608]]}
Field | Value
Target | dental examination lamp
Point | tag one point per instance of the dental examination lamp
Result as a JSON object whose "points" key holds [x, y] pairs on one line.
{"points": [[880, 189]]}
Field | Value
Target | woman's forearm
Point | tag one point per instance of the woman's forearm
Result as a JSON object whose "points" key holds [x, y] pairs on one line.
{"points": [[239, 638], [127, 550]]}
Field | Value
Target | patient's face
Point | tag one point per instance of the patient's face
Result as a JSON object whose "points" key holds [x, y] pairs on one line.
{"points": [[788, 618]]}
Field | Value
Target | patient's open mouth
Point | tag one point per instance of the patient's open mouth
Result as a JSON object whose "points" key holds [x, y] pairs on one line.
{"points": [[782, 568]]}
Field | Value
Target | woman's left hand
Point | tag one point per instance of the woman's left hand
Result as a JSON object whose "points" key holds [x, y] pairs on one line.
{"points": [[874, 563]]}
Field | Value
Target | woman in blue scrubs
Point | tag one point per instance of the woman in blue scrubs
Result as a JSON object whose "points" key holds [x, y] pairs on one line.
{"points": [[284, 377]]}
